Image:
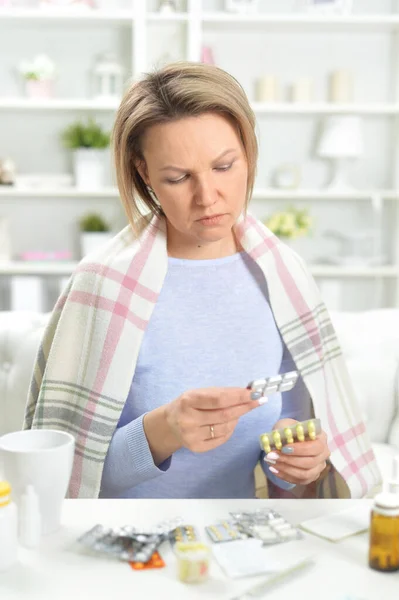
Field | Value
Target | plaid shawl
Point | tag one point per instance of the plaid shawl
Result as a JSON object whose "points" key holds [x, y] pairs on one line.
{"points": [[88, 354]]}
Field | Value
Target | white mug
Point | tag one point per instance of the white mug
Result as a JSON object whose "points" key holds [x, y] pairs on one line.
{"points": [[44, 459]]}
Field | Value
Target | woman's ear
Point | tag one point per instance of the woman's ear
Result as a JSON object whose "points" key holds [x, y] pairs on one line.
{"points": [[142, 170]]}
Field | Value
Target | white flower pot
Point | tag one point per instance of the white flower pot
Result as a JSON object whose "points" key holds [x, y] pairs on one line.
{"points": [[39, 89], [89, 168], [92, 240]]}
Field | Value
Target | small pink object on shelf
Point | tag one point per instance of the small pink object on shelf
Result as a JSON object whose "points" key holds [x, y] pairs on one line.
{"points": [[39, 89], [38, 255]]}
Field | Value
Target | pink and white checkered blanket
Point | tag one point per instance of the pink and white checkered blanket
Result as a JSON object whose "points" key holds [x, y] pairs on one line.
{"points": [[87, 358]]}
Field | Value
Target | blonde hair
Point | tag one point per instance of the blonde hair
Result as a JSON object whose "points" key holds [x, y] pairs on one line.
{"points": [[178, 90]]}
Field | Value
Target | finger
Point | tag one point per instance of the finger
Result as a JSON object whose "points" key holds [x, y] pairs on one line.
{"points": [[302, 462], [222, 415], [214, 432], [201, 446], [297, 462], [298, 476], [217, 398], [308, 448]]}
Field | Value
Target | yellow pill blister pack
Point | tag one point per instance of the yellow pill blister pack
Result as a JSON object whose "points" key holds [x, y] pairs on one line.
{"points": [[297, 432]]}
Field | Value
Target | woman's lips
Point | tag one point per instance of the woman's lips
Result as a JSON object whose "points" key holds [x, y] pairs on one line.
{"points": [[214, 220]]}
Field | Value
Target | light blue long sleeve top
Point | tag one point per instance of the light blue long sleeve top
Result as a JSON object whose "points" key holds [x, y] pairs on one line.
{"points": [[212, 325]]}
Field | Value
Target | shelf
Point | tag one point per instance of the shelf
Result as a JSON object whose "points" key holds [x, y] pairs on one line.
{"points": [[58, 104], [167, 18], [66, 268], [258, 194], [67, 192], [344, 272], [305, 23], [322, 108], [312, 194], [325, 108], [61, 268], [274, 23], [66, 15]]}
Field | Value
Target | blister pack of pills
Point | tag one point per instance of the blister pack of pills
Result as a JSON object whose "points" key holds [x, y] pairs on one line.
{"points": [[297, 432], [266, 525], [226, 531], [127, 542], [274, 384], [133, 549], [184, 533]]}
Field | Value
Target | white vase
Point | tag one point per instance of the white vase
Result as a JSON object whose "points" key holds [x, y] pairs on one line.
{"points": [[89, 168], [92, 240]]}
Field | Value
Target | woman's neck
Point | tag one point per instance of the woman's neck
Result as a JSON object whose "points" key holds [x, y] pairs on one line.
{"points": [[202, 251]]}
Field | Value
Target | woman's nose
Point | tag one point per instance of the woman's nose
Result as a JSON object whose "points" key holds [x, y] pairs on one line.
{"points": [[205, 192]]}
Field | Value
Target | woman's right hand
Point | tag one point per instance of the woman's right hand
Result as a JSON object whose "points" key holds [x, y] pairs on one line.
{"points": [[203, 419]]}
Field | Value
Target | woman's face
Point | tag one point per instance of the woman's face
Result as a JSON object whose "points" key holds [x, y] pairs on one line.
{"points": [[197, 168]]}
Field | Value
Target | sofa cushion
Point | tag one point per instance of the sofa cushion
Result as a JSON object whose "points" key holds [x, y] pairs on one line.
{"points": [[393, 437], [375, 386], [20, 333], [370, 343], [384, 454]]}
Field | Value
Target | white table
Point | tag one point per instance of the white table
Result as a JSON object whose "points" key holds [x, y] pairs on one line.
{"points": [[59, 569]]}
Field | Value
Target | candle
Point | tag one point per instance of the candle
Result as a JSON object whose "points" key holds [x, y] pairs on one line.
{"points": [[266, 89], [302, 90], [341, 86]]}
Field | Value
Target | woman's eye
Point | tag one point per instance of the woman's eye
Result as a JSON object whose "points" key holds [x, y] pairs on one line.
{"points": [[181, 179], [224, 167], [178, 180]]}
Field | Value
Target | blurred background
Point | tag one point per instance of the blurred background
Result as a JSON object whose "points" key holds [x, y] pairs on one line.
{"points": [[322, 76]]}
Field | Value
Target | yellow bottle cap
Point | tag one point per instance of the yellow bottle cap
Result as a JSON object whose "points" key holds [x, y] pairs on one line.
{"points": [[5, 492]]}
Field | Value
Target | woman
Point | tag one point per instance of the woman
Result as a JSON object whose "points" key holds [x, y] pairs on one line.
{"points": [[149, 351]]}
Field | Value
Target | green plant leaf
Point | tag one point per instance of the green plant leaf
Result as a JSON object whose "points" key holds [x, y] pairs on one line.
{"points": [[85, 135], [93, 222]]}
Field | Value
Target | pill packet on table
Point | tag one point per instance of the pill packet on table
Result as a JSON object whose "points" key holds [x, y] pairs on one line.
{"points": [[184, 533], [297, 432], [127, 542], [156, 562], [266, 525], [164, 527], [105, 540], [225, 531]]}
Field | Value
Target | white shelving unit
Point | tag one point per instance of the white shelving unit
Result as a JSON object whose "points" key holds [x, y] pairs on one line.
{"points": [[258, 193], [42, 268], [81, 104], [59, 15], [66, 192], [65, 268], [259, 108], [195, 26], [306, 23], [326, 108]]}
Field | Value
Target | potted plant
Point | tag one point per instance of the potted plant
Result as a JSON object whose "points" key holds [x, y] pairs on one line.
{"points": [[291, 224], [89, 142], [94, 231], [39, 76]]}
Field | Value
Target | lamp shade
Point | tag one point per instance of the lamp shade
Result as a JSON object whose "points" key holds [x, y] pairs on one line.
{"points": [[342, 137]]}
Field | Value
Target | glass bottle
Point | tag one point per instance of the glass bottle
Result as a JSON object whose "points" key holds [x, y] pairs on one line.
{"points": [[8, 528], [384, 527]]}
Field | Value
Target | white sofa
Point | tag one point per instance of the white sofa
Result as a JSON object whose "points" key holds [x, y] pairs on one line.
{"points": [[370, 341]]}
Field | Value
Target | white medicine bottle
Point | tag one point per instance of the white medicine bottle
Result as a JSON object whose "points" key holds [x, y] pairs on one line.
{"points": [[8, 528]]}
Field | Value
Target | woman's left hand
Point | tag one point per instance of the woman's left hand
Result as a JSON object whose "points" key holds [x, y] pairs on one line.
{"points": [[301, 462]]}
